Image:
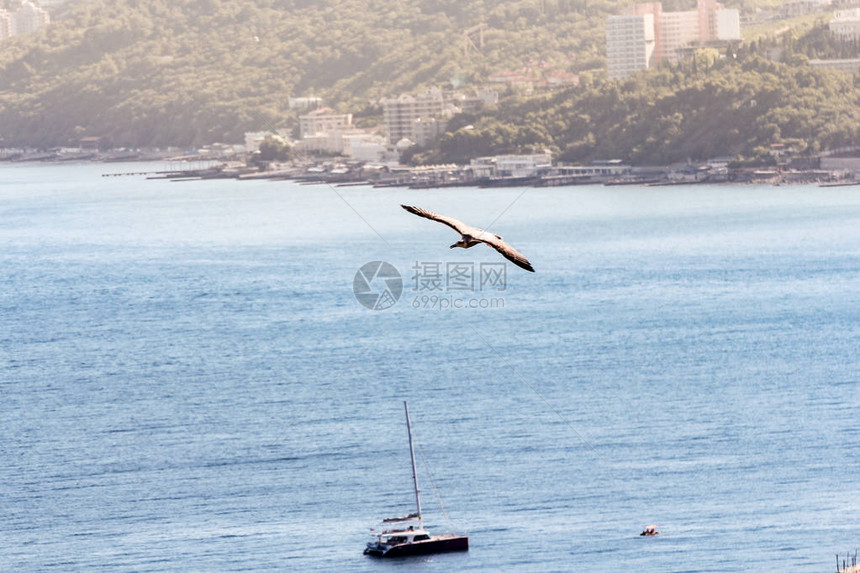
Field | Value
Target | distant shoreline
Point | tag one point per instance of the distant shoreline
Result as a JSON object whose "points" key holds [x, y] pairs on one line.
{"points": [[190, 167]]}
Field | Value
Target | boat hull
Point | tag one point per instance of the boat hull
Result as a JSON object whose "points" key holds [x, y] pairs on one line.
{"points": [[438, 544]]}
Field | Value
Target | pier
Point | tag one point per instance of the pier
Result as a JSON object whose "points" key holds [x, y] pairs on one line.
{"points": [[356, 173]]}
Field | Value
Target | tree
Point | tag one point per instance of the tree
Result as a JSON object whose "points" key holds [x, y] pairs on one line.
{"points": [[274, 148]]}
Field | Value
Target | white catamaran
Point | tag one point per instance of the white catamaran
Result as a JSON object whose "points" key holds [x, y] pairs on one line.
{"points": [[405, 540]]}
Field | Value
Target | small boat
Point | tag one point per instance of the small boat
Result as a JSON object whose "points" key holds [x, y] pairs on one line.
{"points": [[403, 540]]}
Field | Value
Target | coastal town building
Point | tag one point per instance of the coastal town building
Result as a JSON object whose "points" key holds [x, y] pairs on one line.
{"points": [[728, 25], [706, 9], [522, 80], [305, 103], [794, 8], [561, 78], [326, 142], [346, 141], [647, 35], [597, 168], [29, 18], [846, 23], [26, 19], [511, 165], [425, 131], [367, 147], [630, 44], [5, 25], [315, 144], [405, 114], [534, 77], [323, 132], [323, 121]]}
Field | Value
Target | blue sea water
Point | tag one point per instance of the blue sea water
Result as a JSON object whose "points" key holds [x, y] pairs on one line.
{"points": [[189, 384]]}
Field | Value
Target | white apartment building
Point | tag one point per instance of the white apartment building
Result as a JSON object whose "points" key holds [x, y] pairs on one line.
{"points": [[629, 44], [353, 143], [793, 8], [29, 18], [365, 147], [322, 121], [846, 23], [401, 113], [728, 24], [511, 165], [647, 35], [421, 119], [5, 25], [851, 66], [427, 130]]}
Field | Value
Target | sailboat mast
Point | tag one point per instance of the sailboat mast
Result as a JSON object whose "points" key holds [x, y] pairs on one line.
{"points": [[414, 471]]}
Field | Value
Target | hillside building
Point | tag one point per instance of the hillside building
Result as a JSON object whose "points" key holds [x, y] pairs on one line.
{"points": [[728, 25], [322, 121], [647, 35], [630, 44], [511, 165], [5, 25], [305, 102], [421, 119], [417, 117], [29, 18], [426, 130], [352, 143], [365, 147], [846, 24], [793, 8]]}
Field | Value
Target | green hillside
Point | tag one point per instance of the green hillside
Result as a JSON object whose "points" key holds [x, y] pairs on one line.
{"points": [[703, 108], [190, 72], [183, 72]]}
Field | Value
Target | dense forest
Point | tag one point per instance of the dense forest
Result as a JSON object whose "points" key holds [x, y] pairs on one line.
{"points": [[703, 108], [188, 72], [184, 72]]}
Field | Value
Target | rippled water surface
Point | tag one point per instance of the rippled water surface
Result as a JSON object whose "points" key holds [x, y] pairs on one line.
{"points": [[189, 383]]}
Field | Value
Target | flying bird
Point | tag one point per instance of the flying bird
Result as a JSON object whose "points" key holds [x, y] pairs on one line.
{"points": [[471, 236]]}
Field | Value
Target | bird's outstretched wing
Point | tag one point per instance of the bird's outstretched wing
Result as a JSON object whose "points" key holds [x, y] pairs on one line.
{"points": [[490, 239], [455, 224], [506, 251]]}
